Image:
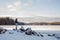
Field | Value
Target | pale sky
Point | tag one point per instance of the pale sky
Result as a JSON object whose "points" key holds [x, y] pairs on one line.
{"points": [[30, 8]]}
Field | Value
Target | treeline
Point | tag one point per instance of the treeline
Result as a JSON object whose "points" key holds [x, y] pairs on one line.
{"points": [[55, 23], [6, 21], [44, 23], [9, 21]]}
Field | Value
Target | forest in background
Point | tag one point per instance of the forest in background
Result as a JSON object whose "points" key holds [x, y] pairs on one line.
{"points": [[10, 21]]}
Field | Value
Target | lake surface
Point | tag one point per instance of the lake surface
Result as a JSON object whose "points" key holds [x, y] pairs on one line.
{"points": [[35, 27]]}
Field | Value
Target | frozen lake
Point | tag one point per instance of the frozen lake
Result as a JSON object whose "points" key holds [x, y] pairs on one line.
{"points": [[35, 27]]}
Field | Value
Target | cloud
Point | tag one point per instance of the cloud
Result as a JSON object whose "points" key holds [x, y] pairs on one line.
{"points": [[11, 8], [18, 5], [14, 6], [26, 9], [18, 9]]}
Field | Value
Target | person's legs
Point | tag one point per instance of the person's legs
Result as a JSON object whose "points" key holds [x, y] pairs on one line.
{"points": [[16, 25]]}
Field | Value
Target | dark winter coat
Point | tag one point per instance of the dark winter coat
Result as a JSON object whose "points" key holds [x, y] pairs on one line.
{"points": [[16, 21]]}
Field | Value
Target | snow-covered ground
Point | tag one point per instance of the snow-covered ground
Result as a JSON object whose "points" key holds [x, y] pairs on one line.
{"points": [[18, 35], [35, 27]]}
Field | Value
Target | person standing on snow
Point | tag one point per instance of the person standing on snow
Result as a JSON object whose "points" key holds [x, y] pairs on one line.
{"points": [[16, 23]]}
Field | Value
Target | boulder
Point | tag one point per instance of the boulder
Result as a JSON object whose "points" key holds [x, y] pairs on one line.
{"points": [[41, 34], [28, 31], [10, 32], [51, 34], [1, 30], [34, 33], [22, 29], [58, 37], [14, 29], [4, 30]]}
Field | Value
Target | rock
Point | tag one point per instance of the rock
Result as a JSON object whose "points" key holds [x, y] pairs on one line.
{"points": [[10, 32], [49, 35], [4, 30], [53, 34], [37, 35], [22, 29], [1, 30], [14, 29], [34, 33], [58, 37], [28, 31], [41, 34]]}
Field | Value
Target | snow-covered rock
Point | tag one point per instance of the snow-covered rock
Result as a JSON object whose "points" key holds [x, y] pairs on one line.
{"points": [[22, 29], [28, 31], [2, 30]]}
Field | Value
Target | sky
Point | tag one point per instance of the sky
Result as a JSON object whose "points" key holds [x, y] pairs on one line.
{"points": [[30, 8]]}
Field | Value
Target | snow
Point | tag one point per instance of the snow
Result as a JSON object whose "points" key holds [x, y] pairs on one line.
{"points": [[17, 35], [34, 27]]}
